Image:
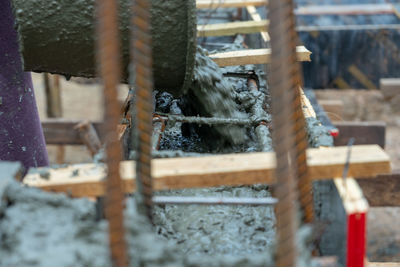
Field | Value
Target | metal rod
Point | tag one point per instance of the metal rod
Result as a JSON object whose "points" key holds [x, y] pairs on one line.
{"points": [[170, 154], [214, 120], [143, 65], [282, 86], [257, 110], [158, 129], [172, 200], [108, 57]]}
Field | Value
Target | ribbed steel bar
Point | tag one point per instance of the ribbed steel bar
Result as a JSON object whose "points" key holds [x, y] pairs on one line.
{"points": [[108, 57], [143, 65], [214, 120], [247, 201], [304, 182], [282, 87]]}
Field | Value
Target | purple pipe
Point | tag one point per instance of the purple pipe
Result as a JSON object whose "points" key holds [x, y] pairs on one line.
{"points": [[21, 134]]}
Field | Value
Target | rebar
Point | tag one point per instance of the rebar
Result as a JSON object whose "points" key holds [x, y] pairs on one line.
{"points": [[158, 129], [108, 57], [216, 120], [257, 110], [143, 66], [304, 182], [179, 200], [283, 85]]}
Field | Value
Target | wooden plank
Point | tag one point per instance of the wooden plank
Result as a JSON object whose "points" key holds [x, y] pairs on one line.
{"points": [[351, 194], [382, 191], [231, 28], [333, 108], [365, 27], [361, 77], [308, 109], [228, 3], [324, 261], [232, 169], [253, 56], [353, 9], [390, 87], [383, 264], [256, 17], [61, 131], [365, 133]]}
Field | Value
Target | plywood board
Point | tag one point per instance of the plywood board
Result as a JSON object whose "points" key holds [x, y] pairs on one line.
{"points": [[232, 169], [231, 28], [382, 191]]}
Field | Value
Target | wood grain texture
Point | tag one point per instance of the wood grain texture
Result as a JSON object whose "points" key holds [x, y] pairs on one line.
{"points": [[383, 264], [231, 28], [256, 17], [366, 132], [333, 108], [228, 3], [308, 109], [253, 56], [351, 195], [382, 191], [232, 169], [61, 131]]}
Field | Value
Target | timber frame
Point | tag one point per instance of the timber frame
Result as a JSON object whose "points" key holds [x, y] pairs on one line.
{"points": [[367, 161]]}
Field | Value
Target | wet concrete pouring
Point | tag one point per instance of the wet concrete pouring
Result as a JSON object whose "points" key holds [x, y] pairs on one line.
{"points": [[45, 229]]}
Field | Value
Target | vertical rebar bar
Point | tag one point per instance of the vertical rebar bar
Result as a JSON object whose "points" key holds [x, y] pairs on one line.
{"points": [[283, 85], [109, 63], [143, 69], [304, 182]]}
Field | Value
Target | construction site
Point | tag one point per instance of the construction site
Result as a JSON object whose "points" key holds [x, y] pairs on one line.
{"points": [[200, 133]]}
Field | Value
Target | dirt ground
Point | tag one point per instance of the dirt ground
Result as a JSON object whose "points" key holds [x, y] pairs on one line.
{"points": [[84, 101]]}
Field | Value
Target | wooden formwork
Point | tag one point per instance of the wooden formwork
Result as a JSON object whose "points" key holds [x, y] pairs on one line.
{"points": [[367, 161]]}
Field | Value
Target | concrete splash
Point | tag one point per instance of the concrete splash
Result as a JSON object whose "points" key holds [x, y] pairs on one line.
{"points": [[211, 95]]}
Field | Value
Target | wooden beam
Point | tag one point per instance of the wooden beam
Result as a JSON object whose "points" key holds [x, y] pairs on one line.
{"points": [[383, 264], [231, 28], [365, 133], [333, 108], [390, 87], [256, 17], [308, 109], [253, 56], [228, 3], [324, 261], [382, 191], [354, 9], [351, 195], [232, 169], [62, 132], [365, 27]]}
